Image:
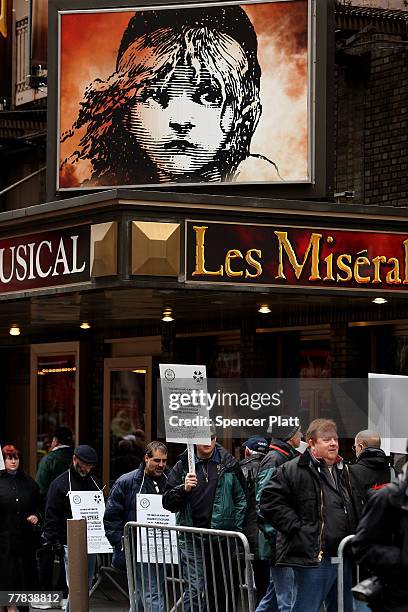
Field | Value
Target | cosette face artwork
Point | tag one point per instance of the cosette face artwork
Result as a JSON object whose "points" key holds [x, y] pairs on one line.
{"points": [[181, 106], [181, 124]]}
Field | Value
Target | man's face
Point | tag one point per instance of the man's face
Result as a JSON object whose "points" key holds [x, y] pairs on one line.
{"points": [[358, 447], [296, 439], [204, 451], [155, 465], [81, 468], [326, 446]]}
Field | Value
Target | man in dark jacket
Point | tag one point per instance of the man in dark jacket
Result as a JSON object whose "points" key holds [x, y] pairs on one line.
{"points": [[52, 465], [214, 497], [311, 504], [58, 508], [381, 544], [255, 449], [280, 592], [372, 469], [149, 478], [56, 462]]}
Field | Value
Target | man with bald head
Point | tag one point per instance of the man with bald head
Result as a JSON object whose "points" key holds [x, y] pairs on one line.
{"points": [[372, 469]]}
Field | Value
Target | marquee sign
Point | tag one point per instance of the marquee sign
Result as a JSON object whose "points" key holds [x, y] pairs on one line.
{"points": [[47, 259], [231, 253]]}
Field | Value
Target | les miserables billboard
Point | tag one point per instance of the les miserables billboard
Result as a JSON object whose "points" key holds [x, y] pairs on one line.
{"points": [[221, 92]]}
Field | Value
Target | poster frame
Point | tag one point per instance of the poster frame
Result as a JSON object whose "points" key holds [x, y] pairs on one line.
{"points": [[320, 101]]}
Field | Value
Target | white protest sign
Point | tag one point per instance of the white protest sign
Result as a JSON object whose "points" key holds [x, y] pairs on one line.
{"points": [[388, 410], [91, 506], [2, 466], [185, 403], [155, 545]]}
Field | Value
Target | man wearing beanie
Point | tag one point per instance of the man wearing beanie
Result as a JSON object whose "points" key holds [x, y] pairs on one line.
{"points": [[312, 505], [58, 509], [255, 449], [278, 597]]}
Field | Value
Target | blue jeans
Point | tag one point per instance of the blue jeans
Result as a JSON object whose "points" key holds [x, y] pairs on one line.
{"points": [[213, 579], [150, 592], [91, 570], [153, 599], [281, 591], [318, 585]]}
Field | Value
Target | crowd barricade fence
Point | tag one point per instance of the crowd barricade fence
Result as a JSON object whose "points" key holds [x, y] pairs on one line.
{"points": [[339, 561], [187, 569]]}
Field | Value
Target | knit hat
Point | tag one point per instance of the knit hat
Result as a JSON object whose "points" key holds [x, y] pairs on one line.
{"points": [[87, 454], [284, 432], [257, 444]]}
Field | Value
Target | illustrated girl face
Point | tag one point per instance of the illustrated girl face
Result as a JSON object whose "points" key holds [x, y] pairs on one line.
{"points": [[181, 123]]}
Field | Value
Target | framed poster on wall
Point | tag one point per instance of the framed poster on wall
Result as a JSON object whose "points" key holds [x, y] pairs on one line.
{"points": [[184, 94]]}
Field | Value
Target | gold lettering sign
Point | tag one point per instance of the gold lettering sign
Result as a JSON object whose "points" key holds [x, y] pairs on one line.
{"points": [[294, 256]]}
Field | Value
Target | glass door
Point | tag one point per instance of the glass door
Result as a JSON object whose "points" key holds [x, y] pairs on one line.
{"points": [[127, 414], [54, 394]]}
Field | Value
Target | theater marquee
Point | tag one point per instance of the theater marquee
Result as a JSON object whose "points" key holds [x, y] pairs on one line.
{"points": [[229, 253], [47, 259]]}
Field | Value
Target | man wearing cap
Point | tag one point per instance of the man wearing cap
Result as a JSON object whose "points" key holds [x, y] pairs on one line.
{"points": [[52, 465], [279, 595], [58, 509], [255, 449]]}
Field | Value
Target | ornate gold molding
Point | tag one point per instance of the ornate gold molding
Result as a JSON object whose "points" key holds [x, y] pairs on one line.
{"points": [[104, 249], [155, 248]]}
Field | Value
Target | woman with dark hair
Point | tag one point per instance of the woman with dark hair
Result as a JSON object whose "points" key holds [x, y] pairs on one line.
{"points": [[19, 500], [182, 105]]}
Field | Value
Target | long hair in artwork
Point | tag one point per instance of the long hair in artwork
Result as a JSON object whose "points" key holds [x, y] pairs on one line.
{"points": [[218, 41]]}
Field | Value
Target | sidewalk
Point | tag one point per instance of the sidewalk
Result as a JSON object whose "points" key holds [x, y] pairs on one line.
{"points": [[100, 602]]}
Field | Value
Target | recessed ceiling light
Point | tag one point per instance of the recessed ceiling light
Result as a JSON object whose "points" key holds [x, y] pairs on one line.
{"points": [[380, 300], [85, 325], [264, 309], [167, 315], [14, 330]]}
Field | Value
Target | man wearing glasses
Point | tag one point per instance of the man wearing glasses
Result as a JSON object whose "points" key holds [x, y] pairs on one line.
{"points": [[372, 469]]}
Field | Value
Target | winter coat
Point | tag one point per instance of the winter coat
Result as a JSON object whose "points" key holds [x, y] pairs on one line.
{"points": [[295, 501], [249, 467], [121, 508], [19, 498], [381, 543], [52, 465], [279, 453], [372, 470], [58, 507], [230, 500]]}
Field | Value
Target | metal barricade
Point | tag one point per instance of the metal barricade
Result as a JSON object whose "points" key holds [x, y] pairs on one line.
{"points": [[339, 561], [187, 569]]}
